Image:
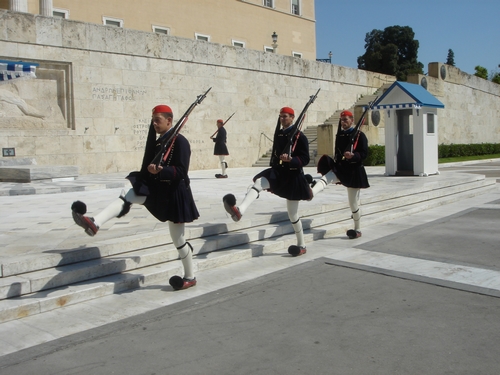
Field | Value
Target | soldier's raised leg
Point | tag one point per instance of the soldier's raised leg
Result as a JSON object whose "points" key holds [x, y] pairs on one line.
{"points": [[229, 200]]}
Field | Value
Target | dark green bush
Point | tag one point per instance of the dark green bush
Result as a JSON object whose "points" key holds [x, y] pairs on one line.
{"points": [[457, 150], [376, 153]]}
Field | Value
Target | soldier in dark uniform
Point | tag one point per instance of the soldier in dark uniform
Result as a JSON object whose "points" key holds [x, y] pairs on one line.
{"points": [[163, 190], [285, 178], [346, 168], [220, 148]]}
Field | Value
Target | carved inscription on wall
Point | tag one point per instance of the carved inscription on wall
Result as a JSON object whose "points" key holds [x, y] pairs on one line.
{"points": [[141, 132], [196, 144], [114, 93]]}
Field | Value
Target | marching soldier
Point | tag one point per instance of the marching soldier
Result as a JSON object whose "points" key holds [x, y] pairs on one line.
{"points": [[284, 178], [220, 148], [351, 148], [164, 190]]}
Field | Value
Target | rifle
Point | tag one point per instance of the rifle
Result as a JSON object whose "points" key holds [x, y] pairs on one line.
{"points": [[229, 118], [357, 128], [166, 144], [292, 143]]}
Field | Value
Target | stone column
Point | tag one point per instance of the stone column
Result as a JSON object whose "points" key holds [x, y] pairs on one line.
{"points": [[326, 140], [46, 8], [18, 5]]}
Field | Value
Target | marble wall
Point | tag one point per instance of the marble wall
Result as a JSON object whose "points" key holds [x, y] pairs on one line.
{"points": [[472, 105], [98, 84]]}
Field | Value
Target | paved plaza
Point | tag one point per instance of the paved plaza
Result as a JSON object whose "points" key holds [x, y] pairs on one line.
{"points": [[414, 295]]}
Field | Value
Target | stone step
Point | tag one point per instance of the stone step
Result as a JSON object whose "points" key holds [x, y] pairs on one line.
{"points": [[126, 260], [36, 303], [29, 173], [107, 248], [148, 267], [310, 132]]}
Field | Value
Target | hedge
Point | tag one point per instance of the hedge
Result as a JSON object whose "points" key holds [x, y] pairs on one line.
{"points": [[451, 151], [376, 153]]}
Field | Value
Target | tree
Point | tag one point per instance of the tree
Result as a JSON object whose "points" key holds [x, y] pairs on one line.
{"points": [[495, 77], [392, 51], [450, 60], [481, 72]]}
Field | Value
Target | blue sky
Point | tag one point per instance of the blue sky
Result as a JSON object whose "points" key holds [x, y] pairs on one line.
{"points": [[470, 28]]}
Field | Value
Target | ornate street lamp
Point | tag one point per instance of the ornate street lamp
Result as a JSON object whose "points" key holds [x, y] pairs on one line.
{"points": [[275, 41]]}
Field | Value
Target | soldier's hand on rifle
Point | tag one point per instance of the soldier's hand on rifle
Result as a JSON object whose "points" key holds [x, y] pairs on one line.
{"points": [[153, 169], [286, 158], [348, 155]]}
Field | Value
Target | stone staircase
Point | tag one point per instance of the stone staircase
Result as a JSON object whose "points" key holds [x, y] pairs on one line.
{"points": [[37, 283], [310, 132], [358, 107]]}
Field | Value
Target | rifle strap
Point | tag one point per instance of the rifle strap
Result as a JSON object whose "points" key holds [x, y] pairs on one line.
{"points": [[355, 144], [169, 151], [296, 140]]}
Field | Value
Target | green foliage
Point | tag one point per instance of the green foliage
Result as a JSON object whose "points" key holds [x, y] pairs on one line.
{"points": [[392, 51], [496, 78], [450, 60], [481, 72], [376, 155], [457, 150]]}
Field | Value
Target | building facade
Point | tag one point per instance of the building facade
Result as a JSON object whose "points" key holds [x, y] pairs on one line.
{"points": [[90, 104], [247, 24]]}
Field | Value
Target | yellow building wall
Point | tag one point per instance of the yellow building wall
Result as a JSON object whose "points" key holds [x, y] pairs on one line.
{"points": [[224, 21]]}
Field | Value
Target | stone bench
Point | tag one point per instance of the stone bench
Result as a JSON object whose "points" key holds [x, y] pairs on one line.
{"points": [[15, 172]]}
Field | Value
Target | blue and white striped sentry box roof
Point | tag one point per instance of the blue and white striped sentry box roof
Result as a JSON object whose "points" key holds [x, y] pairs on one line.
{"points": [[406, 95]]}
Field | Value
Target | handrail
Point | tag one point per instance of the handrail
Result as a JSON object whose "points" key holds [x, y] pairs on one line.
{"points": [[266, 136]]}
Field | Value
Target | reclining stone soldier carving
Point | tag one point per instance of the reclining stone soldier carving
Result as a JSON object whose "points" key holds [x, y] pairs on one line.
{"points": [[11, 98]]}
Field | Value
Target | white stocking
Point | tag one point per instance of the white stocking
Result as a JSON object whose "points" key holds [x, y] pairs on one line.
{"points": [[253, 193], [321, 183], [353, 196], [184, 249], [293, 214], [115, 207], [222, 164]]}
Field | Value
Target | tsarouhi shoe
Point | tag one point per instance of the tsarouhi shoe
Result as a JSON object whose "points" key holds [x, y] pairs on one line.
{"points": [[352, 234], [179, 283], [229, 201], [78, 210], [218, 175], [295, 251]]}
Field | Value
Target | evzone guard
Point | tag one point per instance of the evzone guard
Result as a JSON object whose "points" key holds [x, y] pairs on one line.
{"points": [[162, 186], [220, 147], [346, 168], [285, 177]]}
